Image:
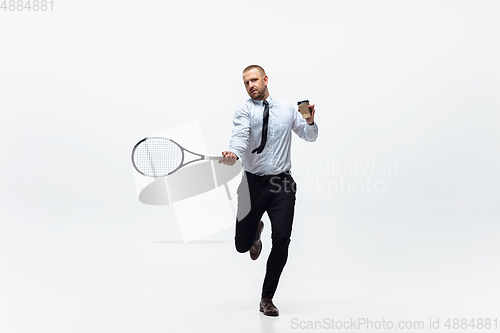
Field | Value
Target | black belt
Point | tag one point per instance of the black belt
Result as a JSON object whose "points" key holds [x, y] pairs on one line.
{"points": [[268, 177]]}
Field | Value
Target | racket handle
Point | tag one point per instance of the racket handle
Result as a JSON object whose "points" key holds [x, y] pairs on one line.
{"points": [[212, 158]]}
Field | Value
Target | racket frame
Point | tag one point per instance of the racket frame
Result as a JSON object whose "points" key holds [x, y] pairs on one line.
{"points": [[201, 157]]}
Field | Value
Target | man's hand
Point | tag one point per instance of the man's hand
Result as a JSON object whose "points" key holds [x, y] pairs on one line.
{"points": [[228, 158], [310, 120]]}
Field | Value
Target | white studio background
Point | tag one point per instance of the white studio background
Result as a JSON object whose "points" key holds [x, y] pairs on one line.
{"points": [[407, 98]]}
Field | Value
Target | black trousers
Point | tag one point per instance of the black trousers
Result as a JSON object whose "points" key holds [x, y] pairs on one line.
{"points": [[276, 196]]}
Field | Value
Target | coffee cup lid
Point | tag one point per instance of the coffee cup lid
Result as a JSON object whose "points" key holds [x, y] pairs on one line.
{"points": [[305, 101]]}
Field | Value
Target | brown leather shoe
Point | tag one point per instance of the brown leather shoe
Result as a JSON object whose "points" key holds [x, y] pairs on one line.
{"points": [[267, 307], [257, 246]]}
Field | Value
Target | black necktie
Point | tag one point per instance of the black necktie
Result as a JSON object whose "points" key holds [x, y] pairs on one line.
{"points": [[260, 148]]}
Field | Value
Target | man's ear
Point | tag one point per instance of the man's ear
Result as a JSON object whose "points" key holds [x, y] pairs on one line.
{"points": [[265, 79]]}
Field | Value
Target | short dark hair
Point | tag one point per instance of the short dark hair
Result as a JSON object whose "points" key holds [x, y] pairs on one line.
{"points": [[261, 70]]}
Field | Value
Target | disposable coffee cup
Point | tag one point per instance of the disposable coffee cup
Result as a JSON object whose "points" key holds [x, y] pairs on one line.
{"points": [[304, 109]]}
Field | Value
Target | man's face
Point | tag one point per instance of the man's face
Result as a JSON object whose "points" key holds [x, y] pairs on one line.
{"points": [[255, 84]]}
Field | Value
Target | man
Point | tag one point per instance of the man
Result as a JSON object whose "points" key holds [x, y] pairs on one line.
{"points": [[261, 137]]}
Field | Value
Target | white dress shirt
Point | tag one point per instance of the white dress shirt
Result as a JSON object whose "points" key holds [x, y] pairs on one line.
{"points": [[247, 135]]}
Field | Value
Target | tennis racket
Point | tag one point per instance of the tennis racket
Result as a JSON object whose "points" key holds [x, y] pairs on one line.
{"points": [[160, 157]]}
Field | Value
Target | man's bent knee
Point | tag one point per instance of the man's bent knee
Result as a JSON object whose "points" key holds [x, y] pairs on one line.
{"points": [[242, 247]]}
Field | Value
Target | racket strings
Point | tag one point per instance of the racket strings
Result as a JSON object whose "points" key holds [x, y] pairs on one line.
{"points": [[157, 157]]}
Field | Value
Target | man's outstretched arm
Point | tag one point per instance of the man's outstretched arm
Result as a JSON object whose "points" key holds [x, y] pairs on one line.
{"points": [[306, 129], [239, 137]]}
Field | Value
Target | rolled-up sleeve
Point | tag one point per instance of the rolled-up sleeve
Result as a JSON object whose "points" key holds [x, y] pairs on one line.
{"points": [[241, 131], [303, 129]]}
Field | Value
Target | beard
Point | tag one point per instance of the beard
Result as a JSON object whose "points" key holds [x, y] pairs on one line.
{"points": [[258, 94]]}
